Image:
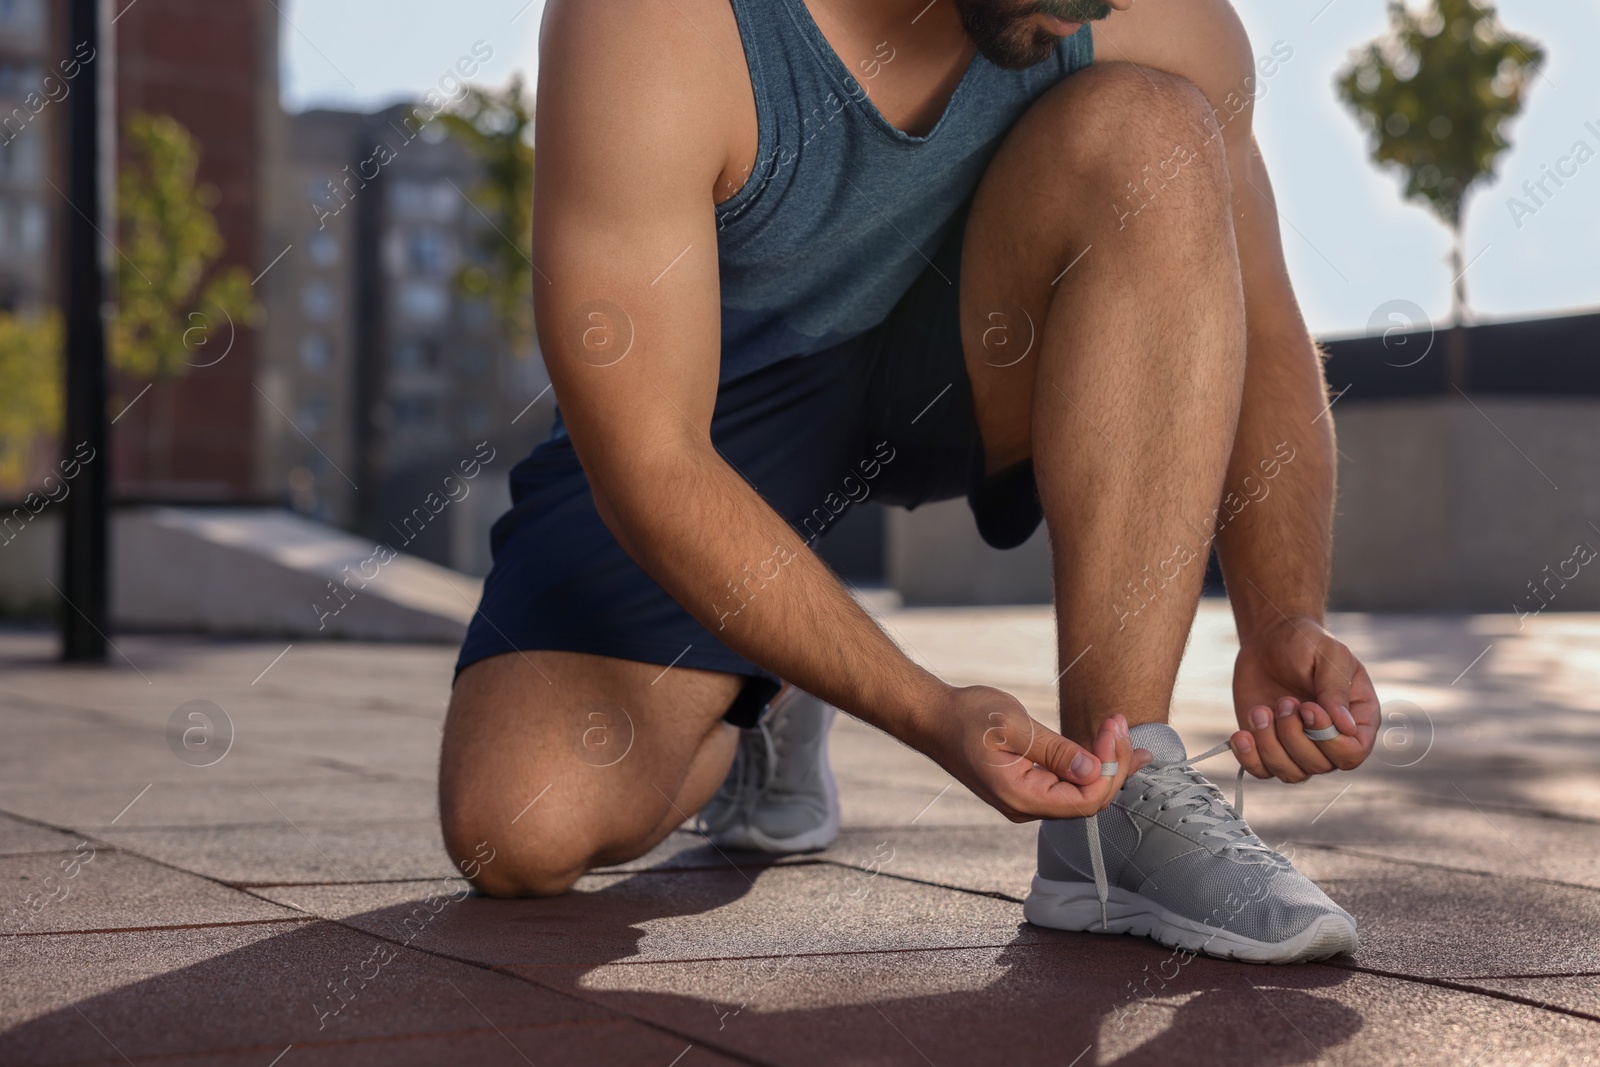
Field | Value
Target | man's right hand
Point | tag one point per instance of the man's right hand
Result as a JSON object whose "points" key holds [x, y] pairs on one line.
{"points": [[987, 740]]}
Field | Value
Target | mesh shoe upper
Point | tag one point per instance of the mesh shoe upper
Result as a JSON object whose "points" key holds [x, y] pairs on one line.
{"points": [[778, 784], [1171, 837]]}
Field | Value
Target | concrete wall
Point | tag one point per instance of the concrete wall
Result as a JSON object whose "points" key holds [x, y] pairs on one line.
{"points": [[1444, 505], [1450, 505], [935, 556]]}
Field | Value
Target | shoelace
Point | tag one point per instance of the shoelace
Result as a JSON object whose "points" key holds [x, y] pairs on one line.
{"points": [[1182, 786], [751, 777]]}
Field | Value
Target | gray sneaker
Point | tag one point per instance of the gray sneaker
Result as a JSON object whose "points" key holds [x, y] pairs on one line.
{"points": [[1170, 859], [779, 795]]}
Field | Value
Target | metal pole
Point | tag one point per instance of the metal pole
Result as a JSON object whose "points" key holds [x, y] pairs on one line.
{"points": [[84, 543]]}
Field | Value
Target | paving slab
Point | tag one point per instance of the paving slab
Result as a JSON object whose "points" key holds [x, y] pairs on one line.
{"points": [[1074, 999], [1447, 831], [697, 915], [1576, 993], [299, 852], [622, 1042], [261, 988], [1432, 923], [1466, 848], [17, 836], [89, 888]]}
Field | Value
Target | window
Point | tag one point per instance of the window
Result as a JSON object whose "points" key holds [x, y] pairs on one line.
{"points": [[19, 79], [316, 301], [412, 412], [19, 158], [433, 201], [426, 251], [474, 360], [315, 353], [424, 302], [416, 354], [313, 414], [20, 16], [323, 249], [31, 227]]}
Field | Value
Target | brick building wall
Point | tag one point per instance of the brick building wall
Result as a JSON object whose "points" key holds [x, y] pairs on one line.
{"points": [[213, 67]]}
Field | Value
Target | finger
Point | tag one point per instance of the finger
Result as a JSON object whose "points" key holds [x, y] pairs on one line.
{"points": [[1331, 678], [1263, 731], [1365, 710], [1051, 759], [1053, 786], [1307, 753], [1244, 750]]}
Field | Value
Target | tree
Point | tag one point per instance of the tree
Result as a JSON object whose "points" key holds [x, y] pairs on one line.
{"points": [[30, 389], [1435, 95], [174, 311], [496, 126]]}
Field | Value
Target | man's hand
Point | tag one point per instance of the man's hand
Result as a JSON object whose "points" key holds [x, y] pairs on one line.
{"points": [[1024, 769], [1293, 677]]}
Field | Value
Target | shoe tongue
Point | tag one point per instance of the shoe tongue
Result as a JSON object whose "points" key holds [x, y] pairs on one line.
{"points": [[1161, 740]]}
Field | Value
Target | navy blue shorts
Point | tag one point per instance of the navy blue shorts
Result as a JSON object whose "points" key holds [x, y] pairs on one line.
{"points": [[886, 416]]}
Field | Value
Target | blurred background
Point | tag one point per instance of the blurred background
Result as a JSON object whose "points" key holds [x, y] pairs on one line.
{"points": [[319, 338]]}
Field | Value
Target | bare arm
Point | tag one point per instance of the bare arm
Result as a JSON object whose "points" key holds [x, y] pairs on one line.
{"points": [[637, 109], [1276, 516]]}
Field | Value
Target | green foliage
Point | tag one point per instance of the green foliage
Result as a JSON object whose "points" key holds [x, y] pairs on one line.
{"points": [[496, 126], [1435, 96], [30, 388], [167, 305]]}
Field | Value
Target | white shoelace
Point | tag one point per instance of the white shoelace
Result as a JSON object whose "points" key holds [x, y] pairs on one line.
{"points": [[1180, 785]]}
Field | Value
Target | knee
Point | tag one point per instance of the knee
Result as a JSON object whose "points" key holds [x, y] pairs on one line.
{"points": [[507, 860], [1140, 131]]}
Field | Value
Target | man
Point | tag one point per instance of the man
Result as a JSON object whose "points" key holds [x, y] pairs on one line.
{"points": [[790, 252]]}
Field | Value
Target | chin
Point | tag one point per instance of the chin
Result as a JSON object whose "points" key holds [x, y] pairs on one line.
{"points": [[1009, 38]]}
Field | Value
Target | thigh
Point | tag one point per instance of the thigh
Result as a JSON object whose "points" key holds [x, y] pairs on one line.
{"points": [[554, 762], [1060, 187]]}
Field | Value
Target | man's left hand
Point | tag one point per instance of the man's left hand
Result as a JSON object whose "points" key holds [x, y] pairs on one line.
{"points": [[1292, 677]]}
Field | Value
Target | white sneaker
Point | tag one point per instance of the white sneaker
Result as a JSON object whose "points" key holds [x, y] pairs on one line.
{"points": [[779, 795], [1181, 866]]}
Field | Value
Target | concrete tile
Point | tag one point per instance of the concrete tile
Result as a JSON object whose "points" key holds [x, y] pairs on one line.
{"points": [[303, 852], [198, 800], [690, 915], [1445, 830], [17, 836], [622, 1042], [260, 987], [1432, 923], [1074, 995], [1576, 993], [103, 889], [988, 859], [200, 992], [687, 850]]}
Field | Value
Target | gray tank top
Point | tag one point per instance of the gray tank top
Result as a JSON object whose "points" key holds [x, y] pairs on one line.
{"points": [[841, 208]]}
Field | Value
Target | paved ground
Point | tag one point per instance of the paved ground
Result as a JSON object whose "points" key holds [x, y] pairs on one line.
{"points": [[292, 900]]}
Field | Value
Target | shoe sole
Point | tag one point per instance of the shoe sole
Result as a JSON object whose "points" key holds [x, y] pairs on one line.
{"points": [[1075, 906], [753, 840]]}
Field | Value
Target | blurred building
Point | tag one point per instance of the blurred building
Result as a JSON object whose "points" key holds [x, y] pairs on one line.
{"points": [[388, 377], [30, 112]]}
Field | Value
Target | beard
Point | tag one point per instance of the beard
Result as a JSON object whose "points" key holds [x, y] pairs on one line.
{"points": [[999, 28]]}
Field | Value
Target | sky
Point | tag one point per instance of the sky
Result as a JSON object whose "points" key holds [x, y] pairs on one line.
{"points": [[1353, 246]]}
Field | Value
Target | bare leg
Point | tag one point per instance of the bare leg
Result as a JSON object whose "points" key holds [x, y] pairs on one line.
{"points": [[1129, 399], [560, 762]]}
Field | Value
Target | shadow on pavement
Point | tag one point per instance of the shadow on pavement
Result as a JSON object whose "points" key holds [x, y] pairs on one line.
{"points": [[649, 946]]}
